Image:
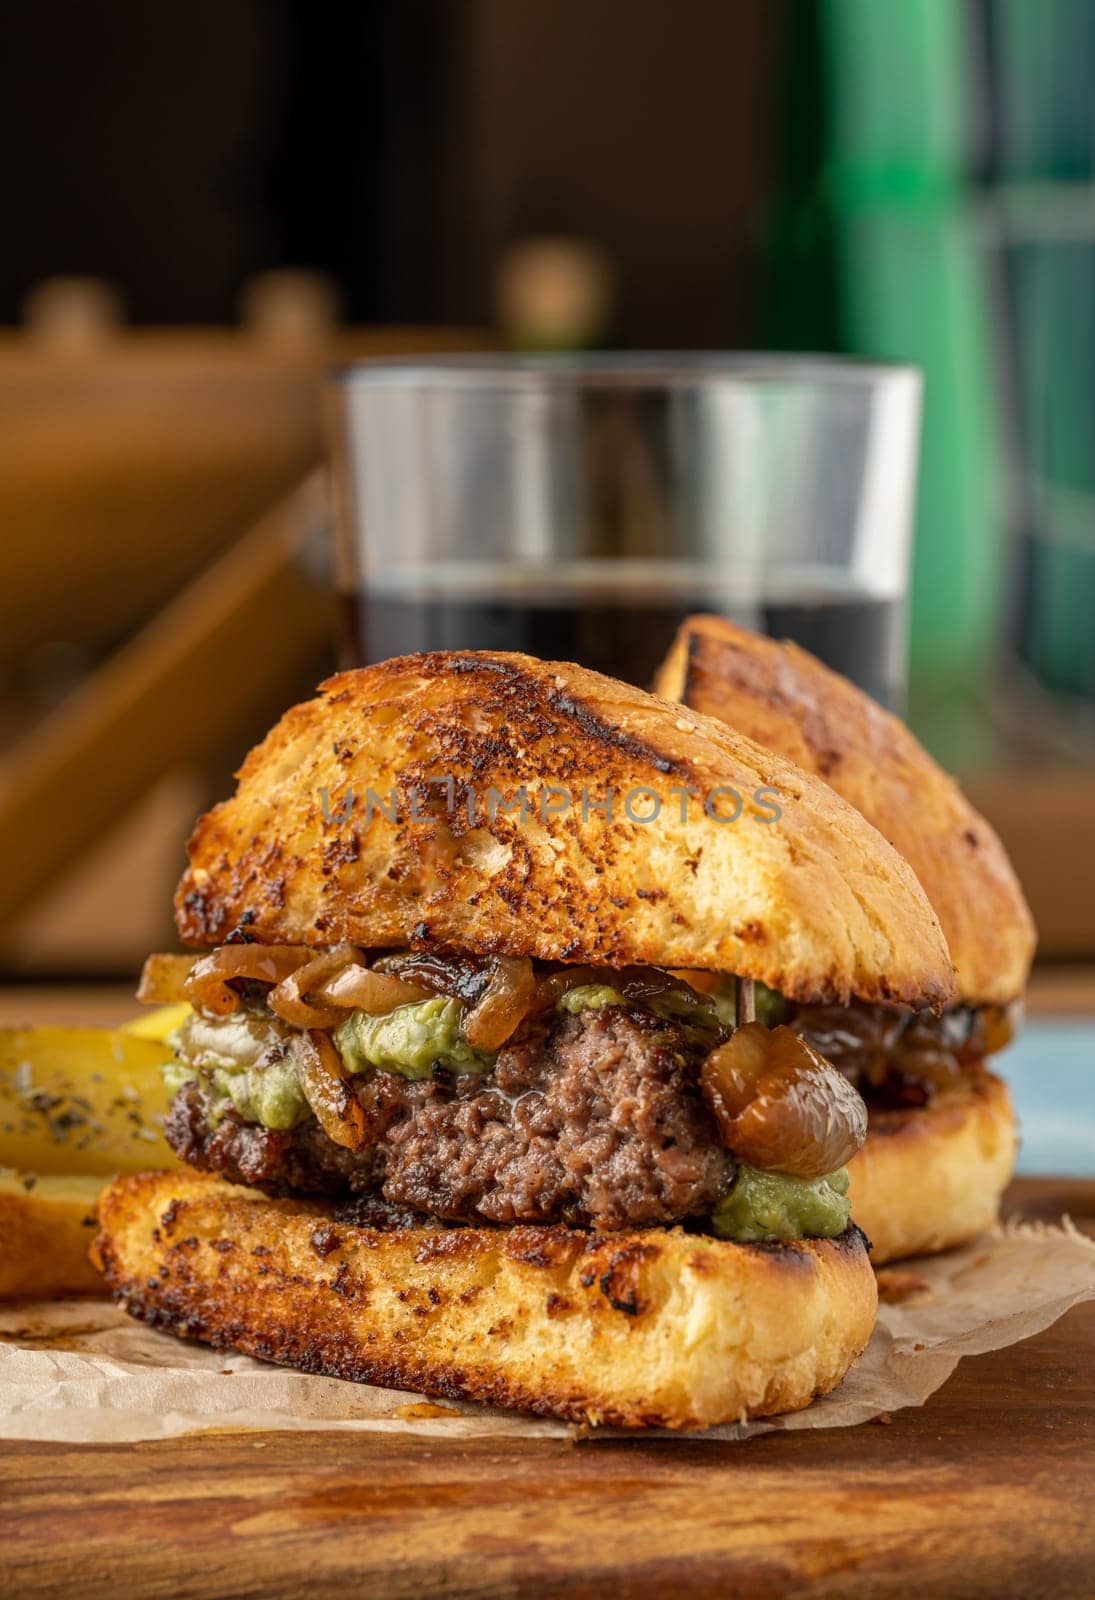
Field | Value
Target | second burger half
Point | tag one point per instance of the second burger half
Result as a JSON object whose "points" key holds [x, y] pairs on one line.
{"points": [[480, 937], [942, 1139]]}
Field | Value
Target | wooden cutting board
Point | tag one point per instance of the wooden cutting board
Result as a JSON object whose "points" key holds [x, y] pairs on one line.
{"points": [[988, 1490]]}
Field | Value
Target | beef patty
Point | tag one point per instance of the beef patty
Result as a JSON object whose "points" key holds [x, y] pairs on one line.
{"points": [[596, 1122]]}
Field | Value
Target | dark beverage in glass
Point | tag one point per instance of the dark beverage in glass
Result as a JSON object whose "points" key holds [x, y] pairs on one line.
{"points": [[859, 635], [578, 508]]}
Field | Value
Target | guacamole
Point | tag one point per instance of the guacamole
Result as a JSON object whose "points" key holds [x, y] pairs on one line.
{"points": [[266, 1092], [772, 1205], [410, 1040], [590, 997], [275, 1095], [671, 1005]]}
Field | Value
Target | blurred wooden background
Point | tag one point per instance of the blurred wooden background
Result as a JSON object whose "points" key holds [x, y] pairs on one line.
{"points": [[164, 596]]}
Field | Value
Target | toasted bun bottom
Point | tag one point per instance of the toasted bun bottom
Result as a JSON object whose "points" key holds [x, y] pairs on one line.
{"points": [[932, 1178], [654, 1329]]}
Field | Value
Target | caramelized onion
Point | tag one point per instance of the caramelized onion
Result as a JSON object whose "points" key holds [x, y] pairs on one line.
{"points": [[207, 991], [207, 986], [857, 1039], [358, 988], [924, 1061], [902, 1057], [289, 1000], [263, 963], [163, 980], [779, 1104], [649, 983], [462, 978], [642, 984], [506, 1002], [550, 990], [703, 982], [319, 1071]]}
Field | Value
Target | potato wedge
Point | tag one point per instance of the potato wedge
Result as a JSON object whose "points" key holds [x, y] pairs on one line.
{"points": [[81, 1100], [46, 1227], [159, 1023], [77, 1106]]}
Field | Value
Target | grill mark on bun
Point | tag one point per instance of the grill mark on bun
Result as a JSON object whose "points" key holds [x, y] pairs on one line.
{"points": [[450, 1328], [816, 905]]}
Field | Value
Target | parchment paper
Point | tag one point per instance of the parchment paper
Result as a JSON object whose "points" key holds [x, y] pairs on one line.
{"points": [[81, 1371]]}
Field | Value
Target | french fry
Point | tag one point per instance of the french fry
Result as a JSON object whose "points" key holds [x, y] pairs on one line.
{"points": [[77, 1106], [46, 1228], [81, 1100], [159, 1023]]}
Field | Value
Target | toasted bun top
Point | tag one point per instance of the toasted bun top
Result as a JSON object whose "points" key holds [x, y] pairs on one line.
{"points": [[815, 903], [788, 701]]}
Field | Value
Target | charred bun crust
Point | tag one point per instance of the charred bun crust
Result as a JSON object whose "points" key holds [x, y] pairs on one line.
{"points": [[659, 1328], [789, 702], [815, 904]]}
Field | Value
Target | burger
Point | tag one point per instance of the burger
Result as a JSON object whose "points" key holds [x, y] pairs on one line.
{"points": [[942, 1138], [471, 1092]]}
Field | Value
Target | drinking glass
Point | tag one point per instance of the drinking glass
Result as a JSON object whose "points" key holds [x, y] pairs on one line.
{"points": [[578, 507]]}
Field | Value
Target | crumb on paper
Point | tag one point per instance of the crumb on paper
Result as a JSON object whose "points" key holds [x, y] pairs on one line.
{"points": [[578, 1432], [898, 1286], [418, 1409]]}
